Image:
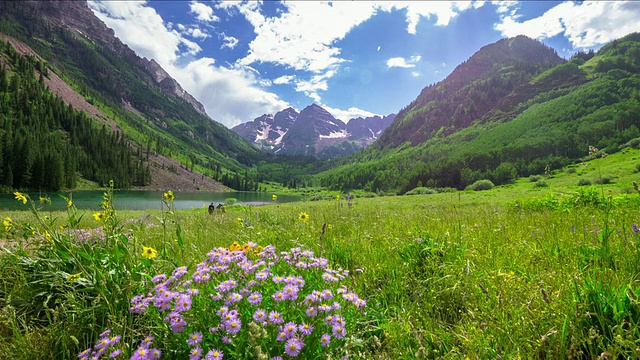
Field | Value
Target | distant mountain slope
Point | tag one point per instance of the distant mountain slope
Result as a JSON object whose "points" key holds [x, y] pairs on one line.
{"points": [[475, 87], [149, 107], [526, 119], [313, 132]]}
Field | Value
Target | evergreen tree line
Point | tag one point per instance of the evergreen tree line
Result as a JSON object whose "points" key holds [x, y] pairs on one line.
{"points": [[46, 144]]}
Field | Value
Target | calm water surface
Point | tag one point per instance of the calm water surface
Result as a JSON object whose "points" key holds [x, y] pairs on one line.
{"points": [[143, 200]]}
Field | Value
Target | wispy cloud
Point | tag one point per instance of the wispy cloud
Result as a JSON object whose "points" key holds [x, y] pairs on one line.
{"points": [[403, 63], [284, 79], [585, 25], [230, 42]]}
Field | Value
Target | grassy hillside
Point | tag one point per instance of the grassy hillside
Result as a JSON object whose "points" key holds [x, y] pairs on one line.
{"points": [[551, 129], [519, 271]]}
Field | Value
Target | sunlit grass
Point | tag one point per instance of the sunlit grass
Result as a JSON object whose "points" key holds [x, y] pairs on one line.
{"points": [[452, 275]]}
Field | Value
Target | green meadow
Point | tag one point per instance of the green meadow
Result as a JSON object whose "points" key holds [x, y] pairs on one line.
{"points": [[519, 271]]}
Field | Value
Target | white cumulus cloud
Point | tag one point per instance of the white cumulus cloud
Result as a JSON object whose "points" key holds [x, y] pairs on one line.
{"points": [[229, 95], [585, 25], [348, 114], [202, 12]]}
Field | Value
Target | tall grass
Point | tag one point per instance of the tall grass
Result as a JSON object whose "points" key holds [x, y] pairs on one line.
{"points": [[444, 275]]}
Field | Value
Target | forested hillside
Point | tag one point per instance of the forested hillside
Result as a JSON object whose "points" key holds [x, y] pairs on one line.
{"points": [[46, 144], [112, 78], [591, 100]]}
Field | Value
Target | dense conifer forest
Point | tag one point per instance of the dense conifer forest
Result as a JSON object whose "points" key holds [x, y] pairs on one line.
{"points": [[46, 144]]}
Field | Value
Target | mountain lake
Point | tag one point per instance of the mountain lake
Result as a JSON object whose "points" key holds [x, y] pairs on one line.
{"points": [[142, 200]]}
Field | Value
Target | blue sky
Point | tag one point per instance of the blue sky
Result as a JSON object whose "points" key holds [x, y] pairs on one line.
{"points": [[242, 59]]}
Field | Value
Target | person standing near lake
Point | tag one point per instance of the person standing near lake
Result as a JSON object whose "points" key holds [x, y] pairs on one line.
{"points": [[212, 208]]}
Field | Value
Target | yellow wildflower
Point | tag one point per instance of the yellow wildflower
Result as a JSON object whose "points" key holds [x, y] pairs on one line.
{"points": [[48, 237], [274, 197], [8, 224], [329, 226], [240, 222], [74, 277], [149, 252], [43, 200], [303, 216], [338, 197], [20, 197], [98, 216], [169, 196], [69, 203]]}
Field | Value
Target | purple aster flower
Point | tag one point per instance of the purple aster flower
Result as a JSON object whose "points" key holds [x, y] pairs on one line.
{"points": [[140, 354], [179, 272], [233, 326], [327, 294], [311, 311], [260, 315], [195, 354], [291, 292], [282, 336], [222, 311], [325, 340], [275, 318], [115, 353], [84, 354], [262, 275], [214, 354], [634, 227], [155, 353], [305, 329], [194, 338], [159, 278], [146, 342], [328, 320], [226, 340], [255, 298], [245, 292], [293, 347], [338, 331], [279, 296], [183, 303], [290, 329], [277, 358], [193, 291]]}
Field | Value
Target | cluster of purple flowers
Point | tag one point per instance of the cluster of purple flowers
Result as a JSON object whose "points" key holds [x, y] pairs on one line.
{"points": [[101, 348], [244, 285], [145, 352], [87, 235]]}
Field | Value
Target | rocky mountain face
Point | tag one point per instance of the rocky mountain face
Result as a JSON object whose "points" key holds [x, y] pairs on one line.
{"points": [[76, 16], [143, 103], [169, 85], [312, 132], [267, 131]]}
